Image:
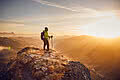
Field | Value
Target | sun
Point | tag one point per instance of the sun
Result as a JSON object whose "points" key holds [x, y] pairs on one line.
{"points": [[108, 26]]}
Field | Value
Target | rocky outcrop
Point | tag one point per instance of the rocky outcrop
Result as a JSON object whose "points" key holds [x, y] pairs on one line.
{"points": [[35, 64], [76, 71]]}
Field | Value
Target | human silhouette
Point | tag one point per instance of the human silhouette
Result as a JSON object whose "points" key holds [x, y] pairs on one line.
{"points": [[45, 37]]}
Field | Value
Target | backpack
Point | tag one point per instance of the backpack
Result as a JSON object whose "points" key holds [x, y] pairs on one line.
{"points": [[42, 35]]}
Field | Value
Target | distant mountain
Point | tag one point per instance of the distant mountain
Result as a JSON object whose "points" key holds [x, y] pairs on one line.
{"points": [[7, 33], [18, 43], [100, 53]]}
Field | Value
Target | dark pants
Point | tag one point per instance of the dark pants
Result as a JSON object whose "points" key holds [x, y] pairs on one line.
{"points": [[46, 42]]}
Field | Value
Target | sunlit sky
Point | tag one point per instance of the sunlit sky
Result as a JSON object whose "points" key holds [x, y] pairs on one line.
{"points": [[73, 17]]}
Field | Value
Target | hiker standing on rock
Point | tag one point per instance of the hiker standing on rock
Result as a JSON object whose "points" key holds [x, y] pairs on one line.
{"points": [[45, 37]]}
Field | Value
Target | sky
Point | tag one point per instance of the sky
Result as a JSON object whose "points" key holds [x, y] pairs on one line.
{"points": [[60, 16]]}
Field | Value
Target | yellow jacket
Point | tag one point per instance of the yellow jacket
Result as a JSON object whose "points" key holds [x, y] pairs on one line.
{"points": [[46, 36]]}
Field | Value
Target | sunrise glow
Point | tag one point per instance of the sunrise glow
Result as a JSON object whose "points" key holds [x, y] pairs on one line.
{"points": [[108, 27]]}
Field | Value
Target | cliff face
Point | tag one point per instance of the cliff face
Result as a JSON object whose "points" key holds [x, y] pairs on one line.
{"points": [[76, 71], [35, 64]]}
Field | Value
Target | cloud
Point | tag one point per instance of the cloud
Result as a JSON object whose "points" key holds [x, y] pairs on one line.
{"points": [[54, 5], [73, 9], [17, 22], [2, 21], [11, 23]]}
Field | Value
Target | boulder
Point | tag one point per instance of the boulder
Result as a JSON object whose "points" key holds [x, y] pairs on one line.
{"points": [[36, 64]]}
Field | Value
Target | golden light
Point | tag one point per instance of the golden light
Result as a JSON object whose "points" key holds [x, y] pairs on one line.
{"points": [[108, 26]]}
